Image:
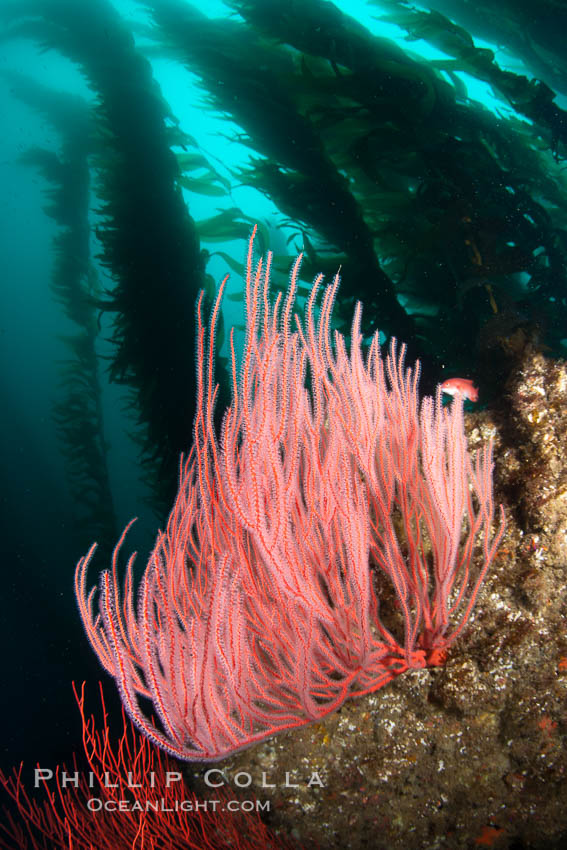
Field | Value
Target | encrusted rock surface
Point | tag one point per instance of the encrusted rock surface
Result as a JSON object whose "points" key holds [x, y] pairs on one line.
{"points": [[472, 754]]}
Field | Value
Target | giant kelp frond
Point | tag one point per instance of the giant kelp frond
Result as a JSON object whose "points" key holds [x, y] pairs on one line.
{"points": [[529, 97], [149, 243], [465, 208], [253, 81], [78, 409]]}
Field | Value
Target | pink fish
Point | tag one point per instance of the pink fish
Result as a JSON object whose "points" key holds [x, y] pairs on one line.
{"points": [[460, 386]]}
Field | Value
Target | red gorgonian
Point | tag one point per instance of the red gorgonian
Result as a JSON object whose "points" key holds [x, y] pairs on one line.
{"points": [[125, 795], [336, 535]]}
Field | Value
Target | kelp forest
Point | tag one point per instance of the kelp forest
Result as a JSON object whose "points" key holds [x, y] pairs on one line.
{"points": [[447, 219], [418, 150]]}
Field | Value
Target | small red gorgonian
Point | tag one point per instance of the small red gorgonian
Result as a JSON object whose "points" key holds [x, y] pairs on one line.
{"points": [[129, 797], [264, 604]]}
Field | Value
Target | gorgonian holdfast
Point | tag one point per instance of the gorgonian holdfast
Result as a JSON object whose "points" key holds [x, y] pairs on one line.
{"points": [[259, 609]]}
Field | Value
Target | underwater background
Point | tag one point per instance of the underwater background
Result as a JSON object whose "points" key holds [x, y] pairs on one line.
{"points": [[420, 148]]}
